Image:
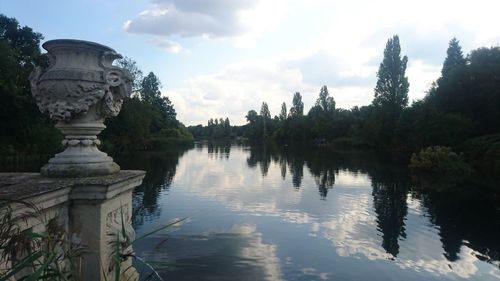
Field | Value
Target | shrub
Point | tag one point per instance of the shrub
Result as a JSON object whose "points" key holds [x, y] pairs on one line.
{"points": [[441, 164], [484, 154]]}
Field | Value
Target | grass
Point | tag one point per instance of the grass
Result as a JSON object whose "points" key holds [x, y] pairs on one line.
{"points": [[50, 254]]}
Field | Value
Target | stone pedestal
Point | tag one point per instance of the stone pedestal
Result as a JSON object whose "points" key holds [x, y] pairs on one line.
{"points": [[92, 209], [81, 186]]}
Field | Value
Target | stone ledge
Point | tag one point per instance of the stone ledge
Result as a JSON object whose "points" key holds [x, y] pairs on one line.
{"points": [[19, 186]]}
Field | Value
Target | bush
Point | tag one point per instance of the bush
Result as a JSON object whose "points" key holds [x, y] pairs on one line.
{"points": [[441, 164], [484, 154]]}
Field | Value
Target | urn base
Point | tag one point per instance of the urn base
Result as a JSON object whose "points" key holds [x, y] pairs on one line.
{"points": [[78, 170], [81, 158]]}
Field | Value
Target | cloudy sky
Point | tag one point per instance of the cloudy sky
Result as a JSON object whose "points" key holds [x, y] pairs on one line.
{"points": [[221, 58]]}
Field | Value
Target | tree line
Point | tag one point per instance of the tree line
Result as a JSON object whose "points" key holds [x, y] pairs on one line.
{"points": [[146, 121], [461, 110]]}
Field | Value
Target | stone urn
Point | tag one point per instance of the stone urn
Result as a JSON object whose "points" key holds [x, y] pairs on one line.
{"points": [[79, 89]]}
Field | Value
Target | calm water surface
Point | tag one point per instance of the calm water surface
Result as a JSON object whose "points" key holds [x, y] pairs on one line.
{"points": [[296, 213]]}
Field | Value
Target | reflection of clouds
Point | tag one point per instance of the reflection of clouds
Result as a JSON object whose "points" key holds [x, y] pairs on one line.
{"points": [[241, 250], [465, 267], [350, 179], [313, 272], [347, 220], [347, 229], [264, 254]]}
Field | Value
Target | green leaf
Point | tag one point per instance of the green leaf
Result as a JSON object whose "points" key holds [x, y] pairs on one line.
{"points": [[24, 263]]}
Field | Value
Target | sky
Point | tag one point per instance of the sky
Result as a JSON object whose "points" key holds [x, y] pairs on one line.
{"points": [[222, 58]]}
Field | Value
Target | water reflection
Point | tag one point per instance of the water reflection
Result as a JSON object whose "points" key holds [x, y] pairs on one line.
{"points": [[297, 213], [465, 218], [220, 150], [160, 170], [389, 200]]}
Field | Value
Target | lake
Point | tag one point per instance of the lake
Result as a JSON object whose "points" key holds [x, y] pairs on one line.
{"points": [[301, 213]]}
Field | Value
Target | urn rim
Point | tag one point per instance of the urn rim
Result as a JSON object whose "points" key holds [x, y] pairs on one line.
{"points": [[52, 44]]}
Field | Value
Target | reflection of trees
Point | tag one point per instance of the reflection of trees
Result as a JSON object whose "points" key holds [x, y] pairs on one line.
{"points": [[261, 155], [469, 218], [465, 217], [389, 200], [160, 170], [264, 155], [218, 150], [297, 171], [323, 167], [390, 191]]}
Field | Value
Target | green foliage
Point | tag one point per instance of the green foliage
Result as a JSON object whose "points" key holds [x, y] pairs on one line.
{"points": [[391, 92], [132, 67], [441, 164], [322, 115], [51, 255], [147, 120], [454, 59], [484, 154], [264, 111], [283, 112], [216, 129], [23, 127], [297, 106]]}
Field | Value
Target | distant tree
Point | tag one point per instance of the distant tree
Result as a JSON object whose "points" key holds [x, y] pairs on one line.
{"points": [[251, 116], [264, 111], [392, 87], [137, 76], [265, 116], [391, 93], [253, 126], [481, 101], [163, 109], [297, 106], [227, 127], [321, 115], [283, 113], [325, 102], [454, 58], [150, 88]]}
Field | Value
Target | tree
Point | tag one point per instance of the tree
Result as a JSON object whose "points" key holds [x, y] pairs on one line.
{"points": [[454, 58], [253, 120], [324, 101], [251, 116], [264, 111], [283, 112], [162, 107], [391, 94], [321, 115], [297, 106], [137, 76], [265, 116], [23, 128], [150, 88], [391, 91]]}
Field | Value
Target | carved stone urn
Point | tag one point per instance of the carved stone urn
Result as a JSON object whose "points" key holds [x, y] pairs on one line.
{"points": [[79, 89]]}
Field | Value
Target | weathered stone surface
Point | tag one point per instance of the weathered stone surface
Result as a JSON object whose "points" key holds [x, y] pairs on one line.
{"points": [[18, 186], [80, 89], [95, 210]]}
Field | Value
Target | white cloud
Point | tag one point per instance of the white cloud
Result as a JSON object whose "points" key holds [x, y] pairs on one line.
{"points": [[214, 18], [339, 44], [240, 87], [235, 90], [242, 21], [168, 45]]}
